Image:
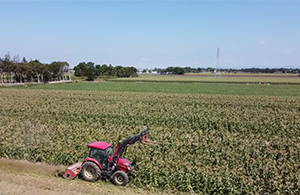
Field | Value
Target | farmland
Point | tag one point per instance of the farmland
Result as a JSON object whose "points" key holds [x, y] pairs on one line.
{"points": [[238, 141], [177, 87], [224, 78]]}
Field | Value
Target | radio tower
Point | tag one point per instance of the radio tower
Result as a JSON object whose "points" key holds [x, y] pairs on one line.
{"points": [[217, 70]]}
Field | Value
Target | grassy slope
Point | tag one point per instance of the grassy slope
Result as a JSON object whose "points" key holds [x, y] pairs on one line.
{"points": [[162, 87]]}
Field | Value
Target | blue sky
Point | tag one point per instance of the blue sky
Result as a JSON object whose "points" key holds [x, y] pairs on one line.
{"points": [[149, 34]]}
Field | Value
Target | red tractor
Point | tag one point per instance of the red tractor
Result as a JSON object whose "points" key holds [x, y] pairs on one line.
{"points": [[102, 162]]}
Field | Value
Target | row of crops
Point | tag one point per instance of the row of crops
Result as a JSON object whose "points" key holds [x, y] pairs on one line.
{"points": [[206, 143]]}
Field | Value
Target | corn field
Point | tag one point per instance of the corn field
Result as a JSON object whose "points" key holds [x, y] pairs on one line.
{"points": [[205, 143]]}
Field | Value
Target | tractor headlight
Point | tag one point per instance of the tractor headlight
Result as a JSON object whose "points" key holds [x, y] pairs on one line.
{"points": [[128, 166]]}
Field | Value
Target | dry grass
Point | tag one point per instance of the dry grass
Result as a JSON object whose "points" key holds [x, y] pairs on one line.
{"points": [[27, 178]]}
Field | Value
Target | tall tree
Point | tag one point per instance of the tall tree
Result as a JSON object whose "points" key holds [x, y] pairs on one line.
{"points": [[90, 71], [37, 68], [86, 69], [16, 59], [21, 69], [24, 60], [98, 70], [80, 69], [8, 67], [57, 70], [1, 71], [7, 57]]}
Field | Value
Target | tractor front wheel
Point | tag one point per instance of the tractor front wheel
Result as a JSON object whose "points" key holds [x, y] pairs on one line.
{"points": [[90, 171], [120, 178]]}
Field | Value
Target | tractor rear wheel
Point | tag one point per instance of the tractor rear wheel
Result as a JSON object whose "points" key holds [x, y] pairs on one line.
{"points": [[90, 171], [120, 178]]}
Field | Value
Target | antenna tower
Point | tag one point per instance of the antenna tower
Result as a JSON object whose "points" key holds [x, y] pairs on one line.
{"points": [[217, 70]]}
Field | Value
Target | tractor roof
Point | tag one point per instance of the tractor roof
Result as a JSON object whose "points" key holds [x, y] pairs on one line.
{"points": [[99, 145]]}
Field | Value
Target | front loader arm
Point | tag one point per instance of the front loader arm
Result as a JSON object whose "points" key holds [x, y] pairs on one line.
{"points": [[122, 145]]}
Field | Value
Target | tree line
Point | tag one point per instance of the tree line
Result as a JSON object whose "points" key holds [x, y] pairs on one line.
{"points": [[183, 70], [14, 70], [92, 71]]}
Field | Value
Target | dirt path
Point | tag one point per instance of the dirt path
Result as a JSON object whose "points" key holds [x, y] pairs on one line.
{"points": [[26, 178]]}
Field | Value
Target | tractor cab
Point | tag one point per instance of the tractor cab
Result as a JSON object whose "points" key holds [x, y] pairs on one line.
{"points": [[101, 151]]}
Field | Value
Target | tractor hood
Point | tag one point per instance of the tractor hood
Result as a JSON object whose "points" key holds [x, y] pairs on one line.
{"points": [[124, 161], [123, 164]]}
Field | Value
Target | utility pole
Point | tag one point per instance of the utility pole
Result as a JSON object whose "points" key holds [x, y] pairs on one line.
{"points": [[217, 70]]}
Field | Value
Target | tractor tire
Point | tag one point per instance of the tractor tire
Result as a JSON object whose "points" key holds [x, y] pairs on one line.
{"points": [[120, 178], [90, 172]]}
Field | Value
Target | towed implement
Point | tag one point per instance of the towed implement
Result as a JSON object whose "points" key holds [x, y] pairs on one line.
{"points": [[102, 162]]}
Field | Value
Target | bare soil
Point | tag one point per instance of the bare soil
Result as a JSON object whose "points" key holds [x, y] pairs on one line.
{"points": [[27, 178]]}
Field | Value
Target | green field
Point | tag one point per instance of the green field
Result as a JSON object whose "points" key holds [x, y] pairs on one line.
{"points": [[245, 74], [212, 138], [240, 78], [185, 88]]}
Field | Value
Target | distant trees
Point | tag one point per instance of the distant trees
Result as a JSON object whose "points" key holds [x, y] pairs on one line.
{"points": [[86, 69], [270, 70], [91, 71], [183, 70], [176, 70], [14, 70]]}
